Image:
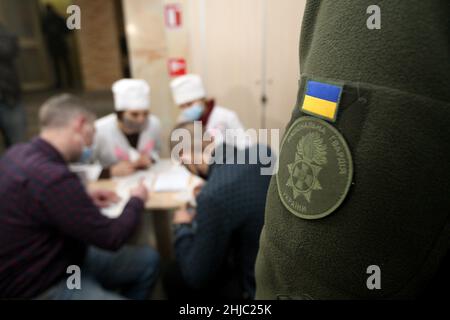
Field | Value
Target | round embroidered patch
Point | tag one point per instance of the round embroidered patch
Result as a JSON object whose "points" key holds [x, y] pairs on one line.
{"points": [[315, 169]]}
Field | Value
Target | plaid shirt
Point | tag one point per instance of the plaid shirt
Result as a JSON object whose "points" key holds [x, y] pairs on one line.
{"points": [[47, 220]]}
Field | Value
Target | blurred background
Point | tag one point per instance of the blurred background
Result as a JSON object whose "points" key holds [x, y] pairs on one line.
{"points": [[245, 50]]}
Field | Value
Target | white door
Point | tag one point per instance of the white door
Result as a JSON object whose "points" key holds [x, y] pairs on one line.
{"points": [[247, 51]]}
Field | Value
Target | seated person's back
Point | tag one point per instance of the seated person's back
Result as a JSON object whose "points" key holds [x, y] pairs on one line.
{"points": [[222, 239], [29, 172], [234, 201]]}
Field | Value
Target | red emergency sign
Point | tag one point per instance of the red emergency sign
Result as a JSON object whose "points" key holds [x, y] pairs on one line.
{"points": [[177, 67], [172, 13]]}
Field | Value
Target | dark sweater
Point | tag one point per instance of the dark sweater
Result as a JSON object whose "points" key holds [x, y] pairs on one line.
{"points": [[228, 224]]}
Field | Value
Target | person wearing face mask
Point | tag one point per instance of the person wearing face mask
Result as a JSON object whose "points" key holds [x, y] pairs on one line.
{"points": [[129, 139], [189, 95], [50, 222]]}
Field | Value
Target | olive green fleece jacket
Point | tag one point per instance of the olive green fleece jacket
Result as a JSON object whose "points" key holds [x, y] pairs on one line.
{"points": [[395, 116]]}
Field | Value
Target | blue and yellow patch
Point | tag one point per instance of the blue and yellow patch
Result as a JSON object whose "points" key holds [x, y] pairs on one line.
{"points": [[322, 100]]}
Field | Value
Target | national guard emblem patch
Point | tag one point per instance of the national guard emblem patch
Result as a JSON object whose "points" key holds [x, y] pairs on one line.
{"points": [[315, 169]]}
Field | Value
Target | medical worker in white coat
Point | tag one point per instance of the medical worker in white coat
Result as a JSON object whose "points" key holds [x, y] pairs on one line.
{"points": [[129, 139], [190, 96]]}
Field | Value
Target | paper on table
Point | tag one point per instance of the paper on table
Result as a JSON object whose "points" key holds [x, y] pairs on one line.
{"points": [[124, 185], [86, 172], [187, 195], [114, 211], [132, 180], [134, 155], [176, 179]]}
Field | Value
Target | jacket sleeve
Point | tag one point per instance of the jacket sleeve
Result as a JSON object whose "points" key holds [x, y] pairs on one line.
{"points": [[243, 139], [104, 134], [234, 122]]}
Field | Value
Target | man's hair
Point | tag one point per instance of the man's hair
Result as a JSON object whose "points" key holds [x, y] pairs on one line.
{"points": [[59, 111], [185, 137]]}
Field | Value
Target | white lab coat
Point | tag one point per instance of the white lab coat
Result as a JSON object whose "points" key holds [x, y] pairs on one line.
{"points": [[222, 119], [111, 145]]}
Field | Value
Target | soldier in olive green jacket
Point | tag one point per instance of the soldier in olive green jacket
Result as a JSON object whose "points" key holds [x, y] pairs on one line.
{"points": [[360, 207]]}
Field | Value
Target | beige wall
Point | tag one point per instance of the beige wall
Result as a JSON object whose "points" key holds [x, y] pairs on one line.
{"points": [[238, 46], [98, 44], [232, 59], [251, 45], [148, 47], [283, 69]]}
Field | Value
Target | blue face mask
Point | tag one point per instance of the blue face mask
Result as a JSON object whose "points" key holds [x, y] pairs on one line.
{"points": [[86, 155], [193, 113]]}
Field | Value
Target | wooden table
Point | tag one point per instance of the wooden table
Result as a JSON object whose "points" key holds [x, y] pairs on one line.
{"points": [[156, 201], [159, 206]]}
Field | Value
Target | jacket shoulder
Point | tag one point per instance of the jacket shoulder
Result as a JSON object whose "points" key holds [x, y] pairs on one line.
{"points": [[154, 120], [33, 165], [106, 122], [222, 111]]}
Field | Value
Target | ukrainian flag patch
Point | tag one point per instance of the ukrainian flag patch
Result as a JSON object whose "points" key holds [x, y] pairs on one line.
{"points": [[322, 100]]}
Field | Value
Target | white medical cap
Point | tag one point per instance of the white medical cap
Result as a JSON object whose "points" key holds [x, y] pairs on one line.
{"points": [[187, 88], [131, 94]]}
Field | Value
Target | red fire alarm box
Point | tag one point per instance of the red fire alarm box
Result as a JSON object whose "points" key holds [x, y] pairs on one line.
{"points": [[177, 67], [172, 13]]}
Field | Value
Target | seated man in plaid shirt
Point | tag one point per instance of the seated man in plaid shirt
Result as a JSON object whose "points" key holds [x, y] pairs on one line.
{"points": [[49, 223]]}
